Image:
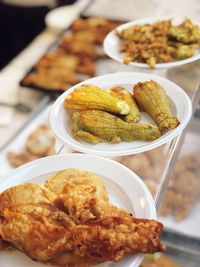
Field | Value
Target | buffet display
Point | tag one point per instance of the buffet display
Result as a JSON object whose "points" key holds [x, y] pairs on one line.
{"points": [[84, 210]]}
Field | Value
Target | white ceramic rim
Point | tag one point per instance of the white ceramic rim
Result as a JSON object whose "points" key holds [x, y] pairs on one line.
{"points": [[7, 181], [148, 146], [113, 55]]}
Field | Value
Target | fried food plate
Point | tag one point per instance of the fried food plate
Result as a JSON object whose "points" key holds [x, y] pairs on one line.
{"points": [[180, 105], [112, 44], [125, 189]]}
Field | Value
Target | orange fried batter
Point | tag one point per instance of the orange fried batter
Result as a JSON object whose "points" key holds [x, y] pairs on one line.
{"points": [[98, 27], [39, 143], [30, 221], [110, 238], [43, 232], [159, 42], [83, 195], [81, 49]]}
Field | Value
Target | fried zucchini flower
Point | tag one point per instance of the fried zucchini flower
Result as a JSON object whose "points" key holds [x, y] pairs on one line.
{"points": [[92, 97], [184, 51], [186, 32], [95, 126], [121, 93], [153, 99]]}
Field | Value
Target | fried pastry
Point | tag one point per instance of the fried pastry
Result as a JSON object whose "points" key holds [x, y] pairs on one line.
{"points": [[26, 193], [31, 221], [49, 80], [41, 142], [20, 199], [18, 159], [60, 62], [81, 49], [83, 195], [121, 93], [95, 126], [111, 238], [39, 230], [43, 232], [92, 97], [153, 99], [97, 27]]}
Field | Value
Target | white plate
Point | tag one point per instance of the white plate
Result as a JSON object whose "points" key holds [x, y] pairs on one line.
{"points": [[180, 104], [112, 45], [125, 189]]}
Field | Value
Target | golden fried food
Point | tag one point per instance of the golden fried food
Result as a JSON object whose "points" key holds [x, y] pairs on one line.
{"points": [[96, 126], [85, 36], [138, 163], [184, 51], [39, 143], [57, 181], [176, 204], [111, 238], [31, 222], [83, 195], [39, 230], [11, 200], [77, 52], [51, 79], [92, 97], [184, 188], [153, 99], [60, 75], [148, 165], [56, 71], [26, 193], [183, 191], [159, 42], [18, 159], [97, 27], [121, 93], [43, 232], [59, 61], [85, 49], [186, 32]]}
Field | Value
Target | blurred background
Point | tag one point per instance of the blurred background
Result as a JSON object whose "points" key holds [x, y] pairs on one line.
{"points": [[20, 22], [172, 172]]}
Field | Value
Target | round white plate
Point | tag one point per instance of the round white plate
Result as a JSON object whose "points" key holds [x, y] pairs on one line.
{"points": [[125, 189], [112, 45], [179, 101]]}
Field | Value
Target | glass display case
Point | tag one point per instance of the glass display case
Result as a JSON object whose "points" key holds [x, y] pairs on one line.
{"points": [[171, 172]]}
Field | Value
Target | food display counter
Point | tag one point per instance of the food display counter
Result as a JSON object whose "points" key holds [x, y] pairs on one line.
{"points": [[171, 171]]}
